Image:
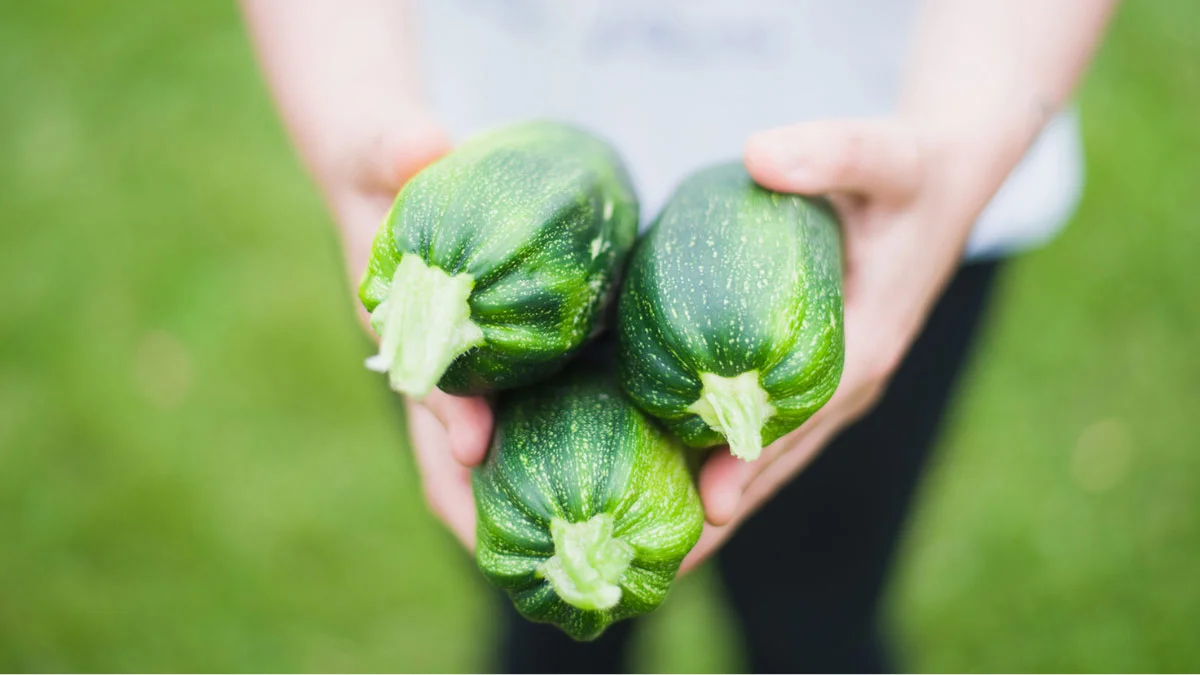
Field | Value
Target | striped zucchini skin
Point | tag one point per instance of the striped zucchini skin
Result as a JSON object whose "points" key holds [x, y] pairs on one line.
{"points": [[541, 216], [576, 450], [733, 279]]}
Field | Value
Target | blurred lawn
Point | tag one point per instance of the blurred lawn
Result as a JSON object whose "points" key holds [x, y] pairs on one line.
{"points": [[196, 474]]}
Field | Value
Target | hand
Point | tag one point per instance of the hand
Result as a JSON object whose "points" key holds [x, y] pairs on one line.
{"points": [[903, 236], [449, 434]]}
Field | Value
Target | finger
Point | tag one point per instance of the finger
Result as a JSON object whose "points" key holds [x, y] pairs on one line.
{"points": [[722, 480], [779, 472], [877, 158], [762, 480], [446, 483], [711, 539], [468, 424], [399, 154], [359, 216]]}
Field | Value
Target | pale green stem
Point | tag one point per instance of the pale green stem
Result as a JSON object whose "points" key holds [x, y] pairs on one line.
{"points": [[424, 325], [737, 408], [588, 562]]}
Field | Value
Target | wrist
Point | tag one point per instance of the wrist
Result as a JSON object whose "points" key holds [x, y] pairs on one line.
{"points": [[967, 160]]}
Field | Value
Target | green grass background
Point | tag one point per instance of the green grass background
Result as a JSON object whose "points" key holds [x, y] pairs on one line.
{"points": [[197, 474]]}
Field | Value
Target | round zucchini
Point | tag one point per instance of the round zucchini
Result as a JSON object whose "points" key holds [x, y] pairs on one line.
{"points": [[730, 320], [496, 262], [585, 506]]}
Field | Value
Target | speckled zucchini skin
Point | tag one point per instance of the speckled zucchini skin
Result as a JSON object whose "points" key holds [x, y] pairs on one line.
{"points": [[733, 278], [542, 216], [573, 448]]}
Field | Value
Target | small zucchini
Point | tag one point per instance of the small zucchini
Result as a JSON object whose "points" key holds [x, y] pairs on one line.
{"points": [[585, 506], [496, 262], [730, 320]]}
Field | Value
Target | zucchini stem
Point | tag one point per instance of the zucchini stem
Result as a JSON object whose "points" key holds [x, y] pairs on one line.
{"points": [[737, 408], [587, 563], [423, 325]]}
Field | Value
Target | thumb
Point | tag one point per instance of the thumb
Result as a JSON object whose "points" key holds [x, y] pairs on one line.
{"points": [[468, 424], [722, 480], [398, 154], [878, 159]]}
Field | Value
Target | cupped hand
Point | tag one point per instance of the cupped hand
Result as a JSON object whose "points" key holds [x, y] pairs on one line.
{"points": [[902, 238], [449, 434]]}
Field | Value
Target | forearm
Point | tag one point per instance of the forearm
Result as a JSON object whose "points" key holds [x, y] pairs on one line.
{"points": [[346, 81], [984, 78], [341, 73]]}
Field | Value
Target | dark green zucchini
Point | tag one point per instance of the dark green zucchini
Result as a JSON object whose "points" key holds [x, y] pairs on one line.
{"points": [[730, 320], [585, 507], [495, 262]]}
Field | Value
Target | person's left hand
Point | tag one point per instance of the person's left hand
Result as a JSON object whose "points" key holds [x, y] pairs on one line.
{"points": [[903, 234]]}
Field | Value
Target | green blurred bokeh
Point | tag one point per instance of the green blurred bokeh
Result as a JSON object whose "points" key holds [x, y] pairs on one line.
{"points": [[197, 474]]}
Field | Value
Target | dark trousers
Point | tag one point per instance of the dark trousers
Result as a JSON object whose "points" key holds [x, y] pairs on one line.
{"points": [[805, 574]]}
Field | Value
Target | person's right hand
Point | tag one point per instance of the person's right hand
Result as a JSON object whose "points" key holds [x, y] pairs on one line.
{"points": [[449, 434]]}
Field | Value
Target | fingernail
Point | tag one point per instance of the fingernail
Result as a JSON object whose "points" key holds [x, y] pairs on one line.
{"points": [[773, 153]]}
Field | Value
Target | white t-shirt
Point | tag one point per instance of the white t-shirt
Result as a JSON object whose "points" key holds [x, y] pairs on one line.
{"points": [[677, 85]]}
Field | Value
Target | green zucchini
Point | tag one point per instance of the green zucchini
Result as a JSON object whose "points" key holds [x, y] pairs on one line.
{"points": [[495, 263], [730, 320], [585, 506]]}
